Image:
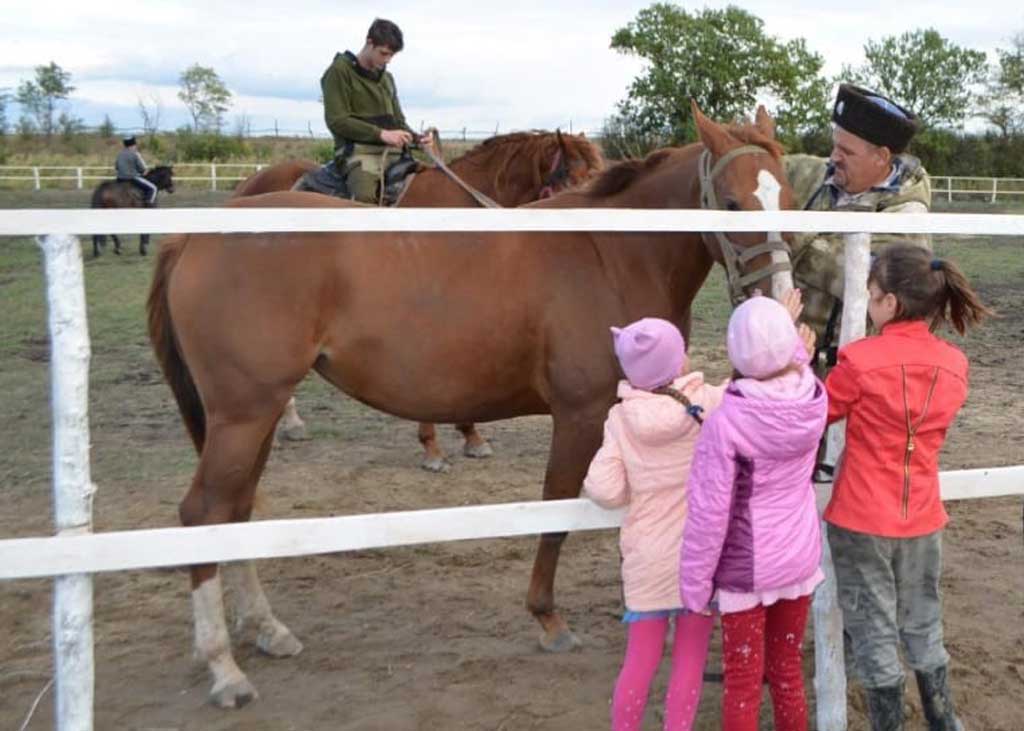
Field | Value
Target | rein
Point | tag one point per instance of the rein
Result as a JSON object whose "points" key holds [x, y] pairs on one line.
{"points": [[736, 257], [479, 197]]}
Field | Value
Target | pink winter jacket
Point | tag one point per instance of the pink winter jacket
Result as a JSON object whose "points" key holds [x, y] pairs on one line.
{"points": [[753, 523], [643, 463]]}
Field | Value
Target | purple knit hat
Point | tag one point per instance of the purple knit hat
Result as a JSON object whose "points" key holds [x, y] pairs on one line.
{"points": [[762, 338], [651, 352]]}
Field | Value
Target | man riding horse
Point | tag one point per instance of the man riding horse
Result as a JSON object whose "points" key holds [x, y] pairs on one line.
{"points": [[131, 168], [868, 170], [362, 112]]}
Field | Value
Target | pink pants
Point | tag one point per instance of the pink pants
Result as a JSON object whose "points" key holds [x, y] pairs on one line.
{"points": [[764, 642], [644, 646]]}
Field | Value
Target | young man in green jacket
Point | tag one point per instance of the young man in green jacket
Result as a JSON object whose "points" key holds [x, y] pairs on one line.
{"points": [[362, 111]]}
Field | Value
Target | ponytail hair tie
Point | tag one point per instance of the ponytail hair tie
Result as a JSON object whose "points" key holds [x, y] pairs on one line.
{"points": [[936, 265]]}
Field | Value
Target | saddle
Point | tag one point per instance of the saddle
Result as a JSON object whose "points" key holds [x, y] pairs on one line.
{"points": [[330, 179]]}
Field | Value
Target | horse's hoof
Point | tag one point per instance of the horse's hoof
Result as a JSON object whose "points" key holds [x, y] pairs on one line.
{"points": [[436, 464], [295, 433], [279, 642], [478, 451], [564, 641], [235, 694]]}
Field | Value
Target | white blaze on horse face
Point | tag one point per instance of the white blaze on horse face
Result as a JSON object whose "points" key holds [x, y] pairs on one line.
{"points": [[767, 192]]}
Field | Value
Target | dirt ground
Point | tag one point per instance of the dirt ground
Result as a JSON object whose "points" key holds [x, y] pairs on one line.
{"points": [[435, 636]]}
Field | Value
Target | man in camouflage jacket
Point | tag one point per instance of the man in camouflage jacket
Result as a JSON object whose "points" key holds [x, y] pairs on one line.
{"points": [[868, 170], [362, 111]]}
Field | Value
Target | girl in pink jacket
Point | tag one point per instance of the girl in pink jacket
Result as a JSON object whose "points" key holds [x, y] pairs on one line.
{"points": [[643, 463], [752, 539]]}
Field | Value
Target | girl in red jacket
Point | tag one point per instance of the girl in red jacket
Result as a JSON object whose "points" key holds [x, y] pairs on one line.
{"points": [[899, 391]]}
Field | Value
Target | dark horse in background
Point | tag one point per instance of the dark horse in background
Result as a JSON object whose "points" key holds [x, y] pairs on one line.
{"points": [[511, 169], [238, 320], [123, 194]]}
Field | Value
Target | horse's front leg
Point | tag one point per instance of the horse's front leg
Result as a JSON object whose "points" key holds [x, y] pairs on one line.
{"points": [[475, 445], [117, 244], [574, 440], [143, 243], [98, 242]]}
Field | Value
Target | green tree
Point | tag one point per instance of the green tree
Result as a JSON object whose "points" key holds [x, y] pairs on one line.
{"points": [[205, 96], [106, 129], [1002, 103], [928, 74], [724, 61], [39, 98]]}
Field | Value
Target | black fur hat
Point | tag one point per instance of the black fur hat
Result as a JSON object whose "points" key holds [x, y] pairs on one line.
{"points": [[874, 118]]}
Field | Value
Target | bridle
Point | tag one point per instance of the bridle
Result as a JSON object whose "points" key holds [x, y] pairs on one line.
{"points": [[734, 256], [557, 175]]}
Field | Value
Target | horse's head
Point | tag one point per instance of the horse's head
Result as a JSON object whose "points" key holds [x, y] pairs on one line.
{"points": [[741, 170], [572, 160], [162, 176]]}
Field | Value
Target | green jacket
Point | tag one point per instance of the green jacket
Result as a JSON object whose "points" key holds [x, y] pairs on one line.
{"points": [[358, 104]]}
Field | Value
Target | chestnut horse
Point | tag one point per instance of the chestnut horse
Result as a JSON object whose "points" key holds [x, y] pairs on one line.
{"points": [[238, 320], [511, 169]]}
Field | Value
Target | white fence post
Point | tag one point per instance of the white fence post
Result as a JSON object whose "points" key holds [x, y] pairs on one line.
{"points": [[829, 663], [995, 188], [949, 190], [79, 172], [35, 177], [72, 487], [213, 176]]}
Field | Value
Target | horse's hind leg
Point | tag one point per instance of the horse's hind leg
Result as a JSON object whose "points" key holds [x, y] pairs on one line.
{"points": [[143, 243], [252, 610], [574, 440], [117, 244], [291, 426], [98, 242], [433, 456], [222, 492], [475, 445]]}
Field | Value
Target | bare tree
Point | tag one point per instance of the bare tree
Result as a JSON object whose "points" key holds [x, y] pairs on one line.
{"points": [[150, 112]]}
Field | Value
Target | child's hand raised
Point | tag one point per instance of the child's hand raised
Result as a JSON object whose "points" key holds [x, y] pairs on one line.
{"points": [[793, 302], [807, 335]]}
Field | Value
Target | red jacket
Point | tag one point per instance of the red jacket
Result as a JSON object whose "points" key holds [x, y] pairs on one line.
{"points": [[887, 483]]}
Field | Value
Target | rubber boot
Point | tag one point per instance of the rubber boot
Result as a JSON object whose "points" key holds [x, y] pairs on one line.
{"points": [[937, 701], [885, 707]]}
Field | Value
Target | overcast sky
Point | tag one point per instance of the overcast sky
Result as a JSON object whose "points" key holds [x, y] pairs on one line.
{"points": [[484, 66]]}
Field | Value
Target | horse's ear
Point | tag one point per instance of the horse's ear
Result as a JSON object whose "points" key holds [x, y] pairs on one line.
{"points": [[558, 136], [712, 135], [764, 122]]}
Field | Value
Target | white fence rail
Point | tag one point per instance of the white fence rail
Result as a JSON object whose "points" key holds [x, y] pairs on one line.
{"points": [[75, 553], [224, 176]]}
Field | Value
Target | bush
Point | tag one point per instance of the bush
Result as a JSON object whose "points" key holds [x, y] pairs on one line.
{"points": [[323, 151], [208, 147]]}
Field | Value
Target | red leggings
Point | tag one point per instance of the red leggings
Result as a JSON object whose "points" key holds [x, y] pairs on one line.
{"points": [[764, 642]]}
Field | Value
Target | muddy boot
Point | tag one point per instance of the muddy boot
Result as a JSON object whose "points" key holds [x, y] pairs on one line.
{"points": [[936, 700], [885, 707]]}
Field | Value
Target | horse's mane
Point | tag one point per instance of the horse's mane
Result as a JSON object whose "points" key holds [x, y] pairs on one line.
{"points": [[748, 134], [500, 150], [621, 175]]}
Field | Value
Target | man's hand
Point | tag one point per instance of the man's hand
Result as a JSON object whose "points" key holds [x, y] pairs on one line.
{"points": [[395, 137]]}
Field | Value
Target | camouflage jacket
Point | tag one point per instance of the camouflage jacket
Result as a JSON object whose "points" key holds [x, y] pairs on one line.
{"points": [[358, 103], [818, 258]]}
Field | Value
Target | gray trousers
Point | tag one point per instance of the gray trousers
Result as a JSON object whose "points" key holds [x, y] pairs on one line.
{"points": [[889, 594]]}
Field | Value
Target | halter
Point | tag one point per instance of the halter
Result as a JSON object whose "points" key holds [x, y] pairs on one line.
{"points": [[736, 257]]}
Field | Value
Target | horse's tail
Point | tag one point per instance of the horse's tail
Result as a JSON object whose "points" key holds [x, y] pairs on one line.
{"points": [[165, 345]]}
